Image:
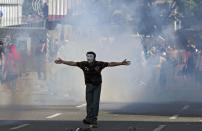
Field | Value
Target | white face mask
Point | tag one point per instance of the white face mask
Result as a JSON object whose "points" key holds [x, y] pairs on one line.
{"points": [[90, 58]]}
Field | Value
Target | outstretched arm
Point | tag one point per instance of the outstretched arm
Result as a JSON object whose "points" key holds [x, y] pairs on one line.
{"points": [[124, 62], [60, 61]]}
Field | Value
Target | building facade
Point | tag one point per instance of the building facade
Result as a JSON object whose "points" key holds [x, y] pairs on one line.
{"points": [[11, 12]]}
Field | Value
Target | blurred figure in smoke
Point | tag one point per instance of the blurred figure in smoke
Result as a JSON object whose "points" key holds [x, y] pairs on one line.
{"points": [[93, 80], [154, 66], [41, 52], [53, 49], [7, 40], [162, 77], [45, 11], [167, 70], [1, 60], [190, 66], [1, 15], [187, 55], [199, 69], [11, 66]]}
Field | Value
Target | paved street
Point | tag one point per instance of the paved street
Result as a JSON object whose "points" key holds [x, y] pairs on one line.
{"points": [[113, 117], [29, 109], [156, 44]]}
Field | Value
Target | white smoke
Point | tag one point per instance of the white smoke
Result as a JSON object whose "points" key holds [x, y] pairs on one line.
{"points": [[111, 43]]}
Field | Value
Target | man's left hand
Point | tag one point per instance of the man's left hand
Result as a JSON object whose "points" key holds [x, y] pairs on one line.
{"points": [[125, 62]]}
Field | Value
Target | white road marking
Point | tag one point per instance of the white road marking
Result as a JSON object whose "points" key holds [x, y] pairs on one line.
{"points": [[77, 129], [82, 105], [173, 117], [183, 109], [200, 120], [54, 115], [159, 128], [20, 126], [186, 107]]}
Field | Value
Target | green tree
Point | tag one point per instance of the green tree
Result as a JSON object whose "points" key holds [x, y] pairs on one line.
{"points": [[189, 7]]}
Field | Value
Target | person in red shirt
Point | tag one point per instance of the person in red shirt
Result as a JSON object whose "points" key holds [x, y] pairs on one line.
{"points": [[11, 66]]}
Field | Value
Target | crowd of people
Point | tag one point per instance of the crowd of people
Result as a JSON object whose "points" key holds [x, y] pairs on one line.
{"points": [[171, 65], [15, 61], [10, 60]]}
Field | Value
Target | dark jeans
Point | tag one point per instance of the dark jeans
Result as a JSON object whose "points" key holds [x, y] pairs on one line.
{"points": [[93, 100]]}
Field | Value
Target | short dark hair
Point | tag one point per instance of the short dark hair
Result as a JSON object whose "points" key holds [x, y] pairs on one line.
{"points": [[91, 52]]}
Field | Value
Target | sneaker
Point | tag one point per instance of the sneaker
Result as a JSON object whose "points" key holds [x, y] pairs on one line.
{"points": [[86, 121], [94, 124]]}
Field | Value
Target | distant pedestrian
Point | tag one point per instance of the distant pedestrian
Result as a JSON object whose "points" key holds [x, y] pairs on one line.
{"points": [[1, 16], [199, 69], [11, 70], [2, 53], [41, 52], [45, 11]]}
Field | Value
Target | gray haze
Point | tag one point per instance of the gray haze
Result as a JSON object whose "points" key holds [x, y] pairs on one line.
{"points": [[114, 42], [92, 30]]}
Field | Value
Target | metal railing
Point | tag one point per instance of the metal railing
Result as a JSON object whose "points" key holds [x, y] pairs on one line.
{"points": [[24, 23]]}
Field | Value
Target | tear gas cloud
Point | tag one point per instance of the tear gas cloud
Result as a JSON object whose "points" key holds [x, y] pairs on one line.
{"points": [[109, 28], [109, 31]]}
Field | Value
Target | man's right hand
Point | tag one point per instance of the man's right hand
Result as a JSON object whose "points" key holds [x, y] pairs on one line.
{"points": [[59, 61]]}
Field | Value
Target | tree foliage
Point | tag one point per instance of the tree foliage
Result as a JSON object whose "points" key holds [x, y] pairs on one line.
{"points": [[189, 7]]}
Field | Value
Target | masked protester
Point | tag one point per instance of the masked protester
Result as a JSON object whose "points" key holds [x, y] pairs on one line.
{"points": [[93, 80]]}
